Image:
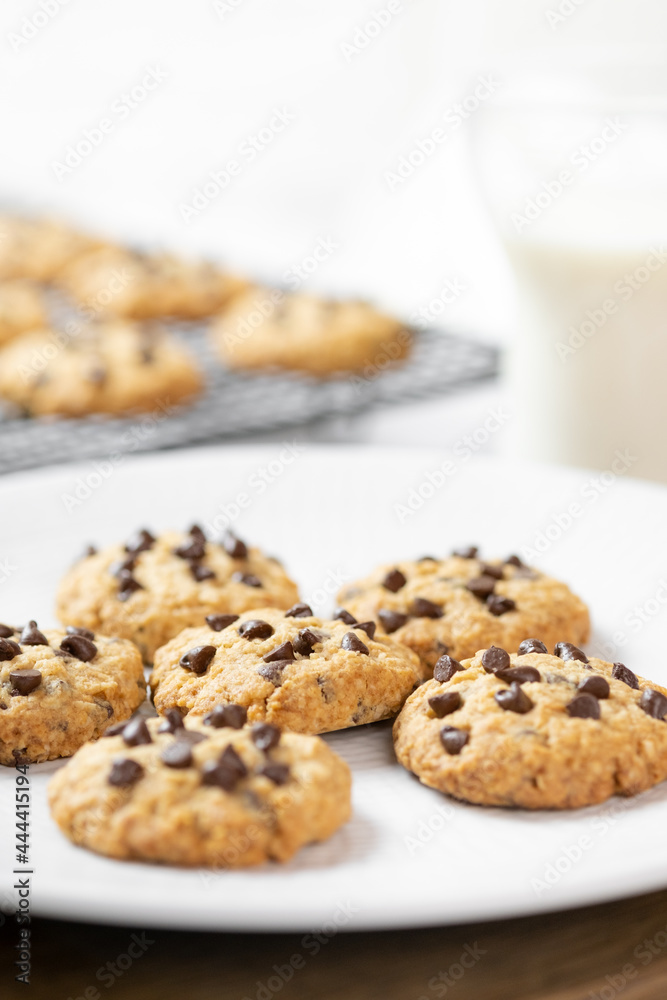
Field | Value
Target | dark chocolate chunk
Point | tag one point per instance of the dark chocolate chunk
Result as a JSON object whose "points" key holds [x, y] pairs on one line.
{"points": [[653, 703], [116, 729], [584, 706], [6, 632], [567, 651], [520, 675], [127, 585], [219, 622], [173, 721], [469, 552], [499, 605], [494, 659], [282, 652], [273, 672], [248, 579], [201, 572], [140, 542], [198, 658], [596, 685], [31, 636], [305, 642], [453, 739], [194, 549], [177, 754], [227, 716], [230, 758], [513, 561], [354, 644], [488, 569], [481, 586], [277, 773], [394, 580], [532, 646], [9, 649], [136, 733], [513, 699], [368, 628], [233, 546], [255, 628], [219, 776], [422, 608], [622, 673], [24, 681], [299, 611], [265, 736], [85, 632], [390, 620], [342, 615], [125, 772], [80, 647], [445, 668], [443, 704]]}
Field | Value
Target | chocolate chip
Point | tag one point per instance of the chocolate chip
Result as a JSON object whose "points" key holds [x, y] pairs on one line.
{"points": [[470, 552], [584, 706], [513, 699], [498, 605], [368, 628], [9, 649], [487, 569], [227, 716], [190, 736], [116, 729], [255, 628], [173, 721], [532, 646], [481, 586], [79, 646], [494, 659], [282, 652], [305, 642], [273, 672], [513, 561], [31, 636], [445, 668], [522, 675], [177, 754], [622, 673], [354, 644], [127, 585], [136, 733], [198, 658], [596, 685], [201, 572], [89, 550], [427, 559], [299, 611], [422, 608], [85, 632], [219, 776], [567, 651], [128, 563], [277, 773], [653, 703], [443, 704], [125, 772], [220, 622], [140, 542], [391, 620], [249, 579], [453, 739], [6, 631], [24, 681], [394, 580], [194, 549], [342, 615], [265, 736], [233, 546], [196, 532], [231, 759]]}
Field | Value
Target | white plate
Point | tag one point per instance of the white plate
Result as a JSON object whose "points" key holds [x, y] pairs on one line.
{"points": [[409, 856]]}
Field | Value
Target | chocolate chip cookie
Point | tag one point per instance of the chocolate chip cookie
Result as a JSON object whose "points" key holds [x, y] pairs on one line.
{"points": [[39, 248], [61, 687], [118, 282], [289, 668], [460, 604], [151, 588], [116, 368], [211, 792], [534, 729], [268, 328], [21, 308]]}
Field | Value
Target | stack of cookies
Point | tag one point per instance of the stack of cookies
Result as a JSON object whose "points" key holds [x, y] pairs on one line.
{"points": [[245, 677], [116, 355]]}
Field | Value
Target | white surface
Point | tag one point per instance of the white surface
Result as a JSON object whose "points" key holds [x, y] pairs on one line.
{"points": [[331, 513]]}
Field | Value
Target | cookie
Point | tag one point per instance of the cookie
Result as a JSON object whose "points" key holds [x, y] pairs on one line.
{"points": [[21, 308], [60, 687], [117, 282], [534, 730], [289, 668], [461, 604], [267, 328], [150, 589], [39, 248], [116, 367], [202, 793]]}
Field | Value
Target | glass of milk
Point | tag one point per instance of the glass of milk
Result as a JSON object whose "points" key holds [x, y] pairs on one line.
{"points": [[575, 174]]}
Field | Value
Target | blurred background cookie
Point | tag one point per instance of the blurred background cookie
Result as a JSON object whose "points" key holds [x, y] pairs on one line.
{"points": [[22, 308]]}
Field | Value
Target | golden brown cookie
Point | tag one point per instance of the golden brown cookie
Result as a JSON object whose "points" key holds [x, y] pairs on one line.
{"points": [[460, 604], [38, 248], [150, 589], [534, 730], [213, 792], [290, 668], [119, 282], [115, 367], [60, 687], [21, 308], [268, 328]]}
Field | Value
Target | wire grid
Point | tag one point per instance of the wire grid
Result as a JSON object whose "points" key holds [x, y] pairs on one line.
{"points": [[236, 404]]}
